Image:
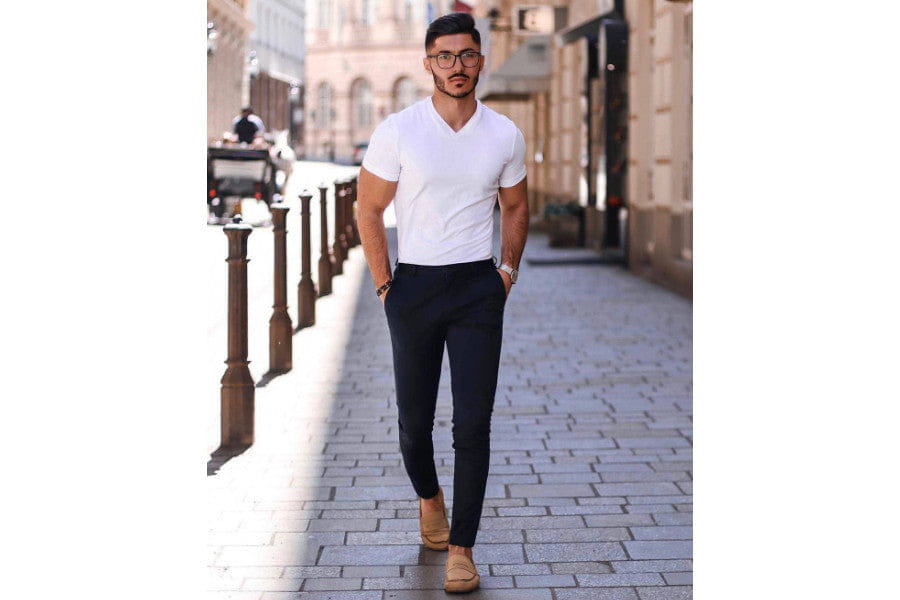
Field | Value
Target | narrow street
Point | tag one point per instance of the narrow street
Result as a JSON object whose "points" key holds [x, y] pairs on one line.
{"points": [[590, 490]]}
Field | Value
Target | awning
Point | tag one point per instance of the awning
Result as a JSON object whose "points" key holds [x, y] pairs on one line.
{"points": [[585, 28], [524, 73]]}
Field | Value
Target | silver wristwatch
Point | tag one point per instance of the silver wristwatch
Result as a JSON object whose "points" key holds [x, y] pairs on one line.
{"points": [[513, 273]]}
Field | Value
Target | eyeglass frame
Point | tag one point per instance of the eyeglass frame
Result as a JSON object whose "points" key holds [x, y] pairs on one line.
{"points": [[455, 57]]}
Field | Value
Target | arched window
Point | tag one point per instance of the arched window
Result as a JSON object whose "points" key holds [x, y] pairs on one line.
{"points": [[361, 95], [367, 12], [405, 93], [324, 14], [323, 107]]}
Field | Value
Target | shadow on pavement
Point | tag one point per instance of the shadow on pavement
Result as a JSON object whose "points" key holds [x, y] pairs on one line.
{"points": [[222, 455]]}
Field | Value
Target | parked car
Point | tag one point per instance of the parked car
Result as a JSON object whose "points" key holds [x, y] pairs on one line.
{"points": [[359, 152]]}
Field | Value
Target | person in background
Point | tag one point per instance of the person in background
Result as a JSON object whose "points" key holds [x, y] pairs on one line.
{"points": [[248, 126]]}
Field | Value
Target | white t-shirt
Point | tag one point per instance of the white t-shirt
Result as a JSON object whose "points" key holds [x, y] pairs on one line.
{"points": [[447, 181]]}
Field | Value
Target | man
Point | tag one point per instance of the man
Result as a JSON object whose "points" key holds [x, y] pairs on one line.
{"points": [[444, 161], [248, 126]]}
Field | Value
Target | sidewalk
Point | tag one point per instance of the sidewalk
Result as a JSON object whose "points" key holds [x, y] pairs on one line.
{"points": [[589, 494]]}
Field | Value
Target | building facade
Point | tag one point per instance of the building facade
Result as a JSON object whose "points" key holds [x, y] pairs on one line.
{"points": [[276, 66], [228, 30], [364, 62], [602, 92]]}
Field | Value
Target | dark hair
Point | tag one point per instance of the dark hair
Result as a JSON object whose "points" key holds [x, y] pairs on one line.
{"points": [[450, 24]]}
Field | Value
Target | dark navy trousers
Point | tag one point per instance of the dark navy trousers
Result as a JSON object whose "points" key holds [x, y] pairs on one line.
{"points": [[460, 306]]}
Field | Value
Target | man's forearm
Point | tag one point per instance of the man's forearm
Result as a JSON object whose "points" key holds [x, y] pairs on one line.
{"points": [[373, 237], [513, 233]]}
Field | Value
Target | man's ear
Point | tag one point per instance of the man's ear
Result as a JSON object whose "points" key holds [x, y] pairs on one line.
{"points": [[427, 63]]}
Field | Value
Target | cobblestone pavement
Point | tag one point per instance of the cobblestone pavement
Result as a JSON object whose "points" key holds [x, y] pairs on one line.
{"points": [[589, 494]]}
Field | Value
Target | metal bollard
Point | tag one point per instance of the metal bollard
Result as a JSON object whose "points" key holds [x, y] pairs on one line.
{"points": [[237, 382], [340, 244], [346, 243], [280, 327], [326, 261], [306, 290], [352, 230]]}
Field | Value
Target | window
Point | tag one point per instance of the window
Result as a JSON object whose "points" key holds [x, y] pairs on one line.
{"points": [[361, 95], [405, 93], [324, 14], [323, 109], [366, 12]]}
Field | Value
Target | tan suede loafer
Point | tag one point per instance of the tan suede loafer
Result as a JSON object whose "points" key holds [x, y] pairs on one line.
{"points": [[462, 576], [433, 526]]}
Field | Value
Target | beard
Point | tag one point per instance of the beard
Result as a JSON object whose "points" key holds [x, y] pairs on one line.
{"points": [[441, 85]]}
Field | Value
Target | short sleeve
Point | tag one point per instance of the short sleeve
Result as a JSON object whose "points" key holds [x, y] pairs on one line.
{"points": [[383, 156], [514, 171]]}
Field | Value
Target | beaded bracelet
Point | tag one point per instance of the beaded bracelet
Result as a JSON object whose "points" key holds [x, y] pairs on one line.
{"points": [[384, 288]]}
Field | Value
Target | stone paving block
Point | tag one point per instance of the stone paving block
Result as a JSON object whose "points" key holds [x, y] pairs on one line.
{"points": [[526, 569], [501, 536], [679, 578], [398, 524], [557, 501], [333, 583], [329, 595], [580, 567], [661, 488], [358, 514], [341, 505], [574, 552], [368, 555], [311, 571], [620, 520], [521, 511], [619, 579], [343, 525], [549, 491], [479, 594], [590, 509], [385, 538], [488, 524], [397, 492], [652, 566], [601, 500], [317, 538], [659, 550], [665, 593], [495, 554], [544, 581], [380, 481], [650, 508], [372, 571], [644, 477], [662, 533], [674, 500], [271, 584], [582, 443], [593, 534], [581, 477], [592, 594], [674, 518]]}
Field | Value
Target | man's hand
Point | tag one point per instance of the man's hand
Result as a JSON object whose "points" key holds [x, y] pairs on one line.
{"points": [[384, 295], [507, 280]]}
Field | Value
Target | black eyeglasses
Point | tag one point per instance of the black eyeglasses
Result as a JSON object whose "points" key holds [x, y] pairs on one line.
{"points": [[445, 60]]}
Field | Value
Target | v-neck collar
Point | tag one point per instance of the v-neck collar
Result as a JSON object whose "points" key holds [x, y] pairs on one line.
{"points": [[470, 124]]}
